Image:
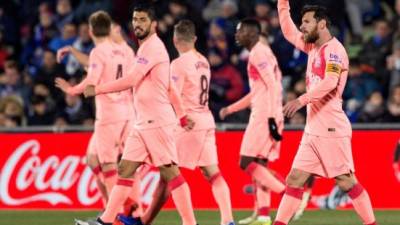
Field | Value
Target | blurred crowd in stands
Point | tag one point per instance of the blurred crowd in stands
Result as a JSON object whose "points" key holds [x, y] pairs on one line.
{"points": [[31, 32]]}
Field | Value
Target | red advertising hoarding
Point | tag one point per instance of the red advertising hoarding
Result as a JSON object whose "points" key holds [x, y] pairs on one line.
{"points": [[47, 170]]}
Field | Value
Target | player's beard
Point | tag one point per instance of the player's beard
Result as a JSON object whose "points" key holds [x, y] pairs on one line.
{"points": [[311, 37], [143, 35]]}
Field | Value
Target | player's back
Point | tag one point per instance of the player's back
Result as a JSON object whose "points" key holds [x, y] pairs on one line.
{"points": [[191, 74], [110, 61]]}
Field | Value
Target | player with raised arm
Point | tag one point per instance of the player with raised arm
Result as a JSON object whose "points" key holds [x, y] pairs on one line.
{"points": [[325, 148]]}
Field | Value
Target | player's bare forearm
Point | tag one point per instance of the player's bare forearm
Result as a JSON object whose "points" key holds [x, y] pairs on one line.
{"points": [[289, 29], [241, 104], [82, 58]]}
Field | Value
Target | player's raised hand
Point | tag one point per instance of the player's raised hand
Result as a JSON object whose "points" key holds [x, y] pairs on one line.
{"points": [[223, 113], [187, 123], [291, 108], [90, 91], [62, 84], [62, 52]]}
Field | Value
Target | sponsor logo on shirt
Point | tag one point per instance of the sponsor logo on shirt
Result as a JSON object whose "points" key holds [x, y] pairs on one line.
{"points": [[142, 60], [93, 65], [334, 58]]}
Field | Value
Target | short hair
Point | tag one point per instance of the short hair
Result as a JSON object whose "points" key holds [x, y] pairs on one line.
{"points": [[185, 30], [253, 23], [147, 8], [320, 13], [100, 22]]}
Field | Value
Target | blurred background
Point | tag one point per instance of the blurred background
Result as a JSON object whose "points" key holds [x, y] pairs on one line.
{"points": [[31, 31]]}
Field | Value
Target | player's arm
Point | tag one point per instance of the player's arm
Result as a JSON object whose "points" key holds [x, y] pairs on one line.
{"points": [[82, 58], [139, 70], [332, 73], [289, 29], [239, 105], [267, 72], [96, 65]]}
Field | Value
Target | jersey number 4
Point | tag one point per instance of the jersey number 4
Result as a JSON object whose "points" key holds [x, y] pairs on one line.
{"points": [[119, 72]]}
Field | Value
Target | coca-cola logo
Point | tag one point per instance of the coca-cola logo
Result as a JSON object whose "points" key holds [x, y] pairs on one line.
{"points": [[27, 177], [51, 178]]}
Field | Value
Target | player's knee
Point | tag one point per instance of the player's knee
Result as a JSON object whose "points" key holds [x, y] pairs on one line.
{"points": [[209, 171], [294, 180], [344, 183], [92, 162], [124, 170]]}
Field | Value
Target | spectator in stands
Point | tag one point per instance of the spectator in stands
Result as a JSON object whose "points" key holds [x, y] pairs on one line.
{"points": [[262, 11], [219, 40], [5, 50], [395, 22], [75, 111], [298, 119], [373, 109], [376, 49], [177, 10], [359, 85], [48, 71], [67, 37], [355, 10], [229, 14], [226, 84], [12, 82], [393, 65], [83, 44], [11, 111], [64, 14], [394, 105], [39, 113], [87, 7]]}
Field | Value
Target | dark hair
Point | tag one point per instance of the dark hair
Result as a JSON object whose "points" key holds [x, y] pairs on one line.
{"points": [[185, 30], [100, 22], [320, 13], [253, 23], [147, 8]]}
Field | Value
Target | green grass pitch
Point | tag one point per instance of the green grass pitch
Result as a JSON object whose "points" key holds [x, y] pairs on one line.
{"points": [[204, 217]]}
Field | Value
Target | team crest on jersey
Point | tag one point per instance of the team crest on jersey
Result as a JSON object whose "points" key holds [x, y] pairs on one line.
{"points": [[142, 60], [175, 78], [317, 63]]}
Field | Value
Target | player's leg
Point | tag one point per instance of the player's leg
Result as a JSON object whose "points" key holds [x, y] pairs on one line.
{"points": [[292, 198], [256, 145], [120, 191], [359, 197], [220, 192], [94, 164], [261, 174], [305, 199], [134, 154], [160, 197], [180, 193]]}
